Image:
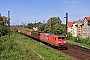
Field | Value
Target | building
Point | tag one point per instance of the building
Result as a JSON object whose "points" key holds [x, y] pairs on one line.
{"points": [[80, 28], [74, 30], [86, 27], [35, 28], [69, 26]]}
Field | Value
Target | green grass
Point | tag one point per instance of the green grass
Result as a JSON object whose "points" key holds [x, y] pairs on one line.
{"points": [[20, 47], [80, 44]]}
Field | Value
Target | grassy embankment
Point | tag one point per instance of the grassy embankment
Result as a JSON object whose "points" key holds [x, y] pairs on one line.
{"points": [[20, 47], [79, 44]]}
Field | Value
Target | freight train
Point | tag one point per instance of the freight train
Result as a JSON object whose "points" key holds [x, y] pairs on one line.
{"points": [[57, 41]]}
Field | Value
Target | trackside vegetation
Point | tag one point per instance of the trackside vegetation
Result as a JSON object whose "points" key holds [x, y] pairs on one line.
{"points": [[3, 31], [20, 47], [80, 41]]}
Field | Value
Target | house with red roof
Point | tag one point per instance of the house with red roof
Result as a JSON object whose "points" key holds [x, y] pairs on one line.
{"points": [[72, 28], [69, 26], [80, 28]]}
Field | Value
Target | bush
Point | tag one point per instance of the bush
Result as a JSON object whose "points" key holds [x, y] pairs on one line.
{"points": [[3, 31], [88, 42]]}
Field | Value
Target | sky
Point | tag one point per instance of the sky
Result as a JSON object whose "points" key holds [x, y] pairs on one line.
{"points": [[28, 11]]}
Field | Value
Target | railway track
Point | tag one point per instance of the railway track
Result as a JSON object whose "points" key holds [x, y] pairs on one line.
{"points": [[73, 51], [79, 53]]}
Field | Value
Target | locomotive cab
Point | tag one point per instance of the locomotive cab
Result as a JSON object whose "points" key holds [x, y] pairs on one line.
{"points": [[61, 42]]}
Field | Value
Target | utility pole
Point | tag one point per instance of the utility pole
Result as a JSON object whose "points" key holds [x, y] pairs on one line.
{"points": [[8, 23], [66, 23], [35, 24], [23, 24], [0, 16]]}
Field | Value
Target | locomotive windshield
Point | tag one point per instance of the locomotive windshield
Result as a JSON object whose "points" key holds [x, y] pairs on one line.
{"points": [[61, 38]]}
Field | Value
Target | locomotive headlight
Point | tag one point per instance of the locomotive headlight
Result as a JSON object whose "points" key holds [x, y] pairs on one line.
{"points": [[64, 41], [59, 41]]}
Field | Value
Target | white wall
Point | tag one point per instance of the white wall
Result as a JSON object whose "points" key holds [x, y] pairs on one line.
{"points": [[74, 30]]}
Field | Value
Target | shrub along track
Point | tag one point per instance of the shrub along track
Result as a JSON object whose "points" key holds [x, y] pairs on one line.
{"points": [[73, 51]]}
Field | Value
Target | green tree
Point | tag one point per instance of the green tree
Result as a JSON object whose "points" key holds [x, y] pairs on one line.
{"points": [[47, 28], [54, 20], [41, 27], [3, 31], [3, 21], [37, 24], [55, 24], [30, 25]]}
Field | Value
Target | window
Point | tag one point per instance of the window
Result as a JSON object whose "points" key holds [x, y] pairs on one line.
{"points": [[61, 38]]}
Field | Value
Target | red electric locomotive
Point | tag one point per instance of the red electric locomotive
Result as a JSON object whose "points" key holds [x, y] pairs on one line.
{"points": [[55, 40]]}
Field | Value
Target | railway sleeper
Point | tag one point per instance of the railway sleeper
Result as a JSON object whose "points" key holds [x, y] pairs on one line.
{"points": [[62, 48]]}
